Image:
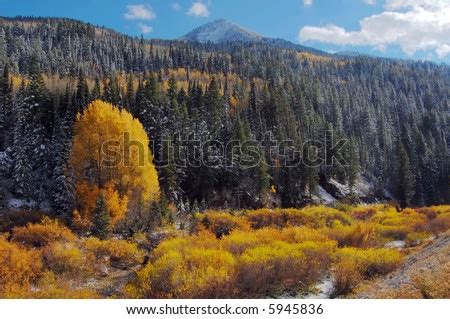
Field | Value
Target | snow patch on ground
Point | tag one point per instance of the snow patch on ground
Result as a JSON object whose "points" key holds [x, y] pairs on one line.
{"points": [[396, 244], [324, 289]]}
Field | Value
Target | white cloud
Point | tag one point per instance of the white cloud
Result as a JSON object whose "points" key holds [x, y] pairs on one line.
{"points": [[176, 6], [413, 25], [145, 28], [199, 9], [429, 4], [370, 2], [139, 12], [307, 3]]}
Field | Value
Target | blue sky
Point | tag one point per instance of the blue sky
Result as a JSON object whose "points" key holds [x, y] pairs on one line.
{"points": [[418, 29]]}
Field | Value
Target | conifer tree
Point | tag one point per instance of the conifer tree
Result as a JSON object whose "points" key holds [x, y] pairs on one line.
{"points": [[101, 219], [405, 177]]}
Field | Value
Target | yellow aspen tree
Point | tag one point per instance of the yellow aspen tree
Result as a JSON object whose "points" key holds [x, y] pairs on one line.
{"points": [[110, 153]]}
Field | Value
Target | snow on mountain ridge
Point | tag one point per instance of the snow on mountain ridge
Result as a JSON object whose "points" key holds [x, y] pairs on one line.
{"points": [[220, 31]]}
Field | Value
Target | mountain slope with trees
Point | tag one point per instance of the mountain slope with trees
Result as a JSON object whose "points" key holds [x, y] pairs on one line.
{"points": [[394, 115]]}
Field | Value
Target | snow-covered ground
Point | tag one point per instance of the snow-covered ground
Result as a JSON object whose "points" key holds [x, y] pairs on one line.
{"points": [[324, 290]]}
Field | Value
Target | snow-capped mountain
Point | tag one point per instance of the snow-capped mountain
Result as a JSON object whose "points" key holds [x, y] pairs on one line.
{"points": [[221, 31]]}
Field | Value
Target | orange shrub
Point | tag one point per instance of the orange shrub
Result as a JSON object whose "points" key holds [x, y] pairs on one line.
{"points": [[270, 269], [18, 267], [311, 216], [49, 287], [197, 273], [356, 235], [42, 234], [122, 254], [354, 264], [220, 223], [64, 258]]}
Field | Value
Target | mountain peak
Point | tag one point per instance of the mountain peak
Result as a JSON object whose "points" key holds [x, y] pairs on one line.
{"points": [[220, 31]]}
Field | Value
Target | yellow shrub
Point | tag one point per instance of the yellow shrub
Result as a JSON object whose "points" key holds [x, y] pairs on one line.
{"points": [[18, 267], [239, 241], [40, 235], [198, 273], [64, 258], [414, 239], [48, 287], [356, 235], [395, 225], [280, 266], [312, 216], [354, 264], [121, 253]]}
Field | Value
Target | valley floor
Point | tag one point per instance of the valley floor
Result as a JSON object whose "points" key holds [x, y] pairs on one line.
{"points": [[315, 252]]}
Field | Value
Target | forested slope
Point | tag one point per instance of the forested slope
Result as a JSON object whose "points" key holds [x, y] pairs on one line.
{"points": [[394, 115]]}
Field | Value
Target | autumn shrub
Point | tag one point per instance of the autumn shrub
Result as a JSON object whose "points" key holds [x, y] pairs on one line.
{"points": [[42, 234], [18, 267], [121, 254], [280, 266], [195, 273], [363, 213], [65, 258], [355, 264], [415, 238], [439, 225], [395, 225], [311, 216], [239, 241], [50, 287], [357, 235], [220, 223]]}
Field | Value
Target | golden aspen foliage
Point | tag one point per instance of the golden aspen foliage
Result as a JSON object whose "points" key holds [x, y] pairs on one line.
{"points": [[110, 153], [18, 267], [40, 235]]}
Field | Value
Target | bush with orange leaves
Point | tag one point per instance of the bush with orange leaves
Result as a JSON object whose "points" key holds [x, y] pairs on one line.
{"points": [[271, 269], [120, 253], [187, 267], [50, 287], [65, 258], [42, 234], [242, 264], [357, 235], [311, 216], [354, 264], [220, 223], [18, 267]]}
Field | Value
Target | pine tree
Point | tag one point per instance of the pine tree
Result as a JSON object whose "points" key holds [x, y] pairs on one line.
{"points": [[82, 93], [405, 176], [6, 116], [101, 218], [63, 188], [22, 170]]}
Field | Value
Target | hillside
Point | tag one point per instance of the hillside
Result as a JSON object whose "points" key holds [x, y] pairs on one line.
{"points": [[425, 274], [391, 115]]}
